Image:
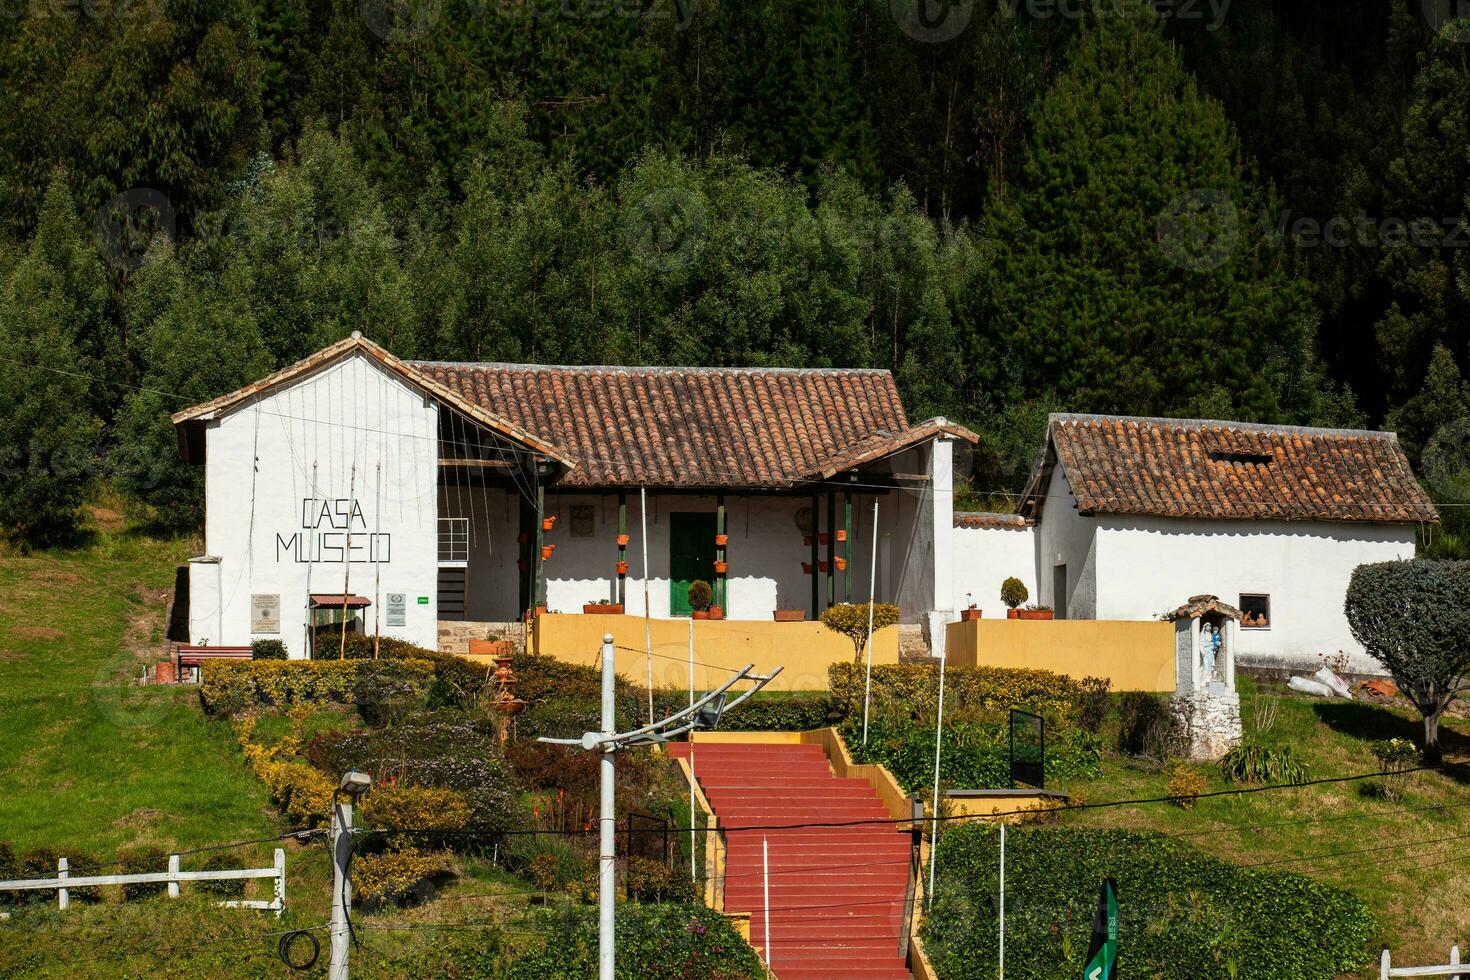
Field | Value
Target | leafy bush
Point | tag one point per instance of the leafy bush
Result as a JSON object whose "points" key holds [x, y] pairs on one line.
{"points": [[973, 756], [42, 862], [1413, 616], [267, 650], [798, 712], [397, 876], [458, 682], [1184, 914], [415, 808], [385, 691], [648, 880], [143, 860], [700, 595], [1253, 761], [1184, 786], [1146, 725], [1093, 703], [652, 941], [565, 699], [915, 688], [851, 620], [231, 686], [217, 861], [1013, 592]]}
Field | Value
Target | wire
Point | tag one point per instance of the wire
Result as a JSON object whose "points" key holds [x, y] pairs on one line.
{"points": [[72, 869]]}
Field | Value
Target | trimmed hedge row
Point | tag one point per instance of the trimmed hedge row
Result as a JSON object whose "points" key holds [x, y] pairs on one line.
{"points": [[1182, 913], [975, 756], [652, 941], [916, 688], [382, 686]]}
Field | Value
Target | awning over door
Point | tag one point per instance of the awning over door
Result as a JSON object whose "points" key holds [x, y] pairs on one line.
{"points": [[321, 600]]}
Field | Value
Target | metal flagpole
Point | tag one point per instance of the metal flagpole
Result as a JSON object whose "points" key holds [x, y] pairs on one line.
{"points": [[872, 587], [647, 615], [934, 824]]}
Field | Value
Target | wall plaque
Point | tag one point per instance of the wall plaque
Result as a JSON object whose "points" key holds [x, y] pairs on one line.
{"points": [[265, 612], [397, 609]]}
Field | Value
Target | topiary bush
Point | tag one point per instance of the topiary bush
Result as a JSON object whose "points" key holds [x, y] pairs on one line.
{"points": [[700, 595], [1182, 913], [267, 650], [1013, 592], [228, 888], [143, 860], [652, 941], [851, 620]]}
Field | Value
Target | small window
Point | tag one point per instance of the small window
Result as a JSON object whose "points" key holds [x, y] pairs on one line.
{"points": [[1255, 612], [454, 539]]}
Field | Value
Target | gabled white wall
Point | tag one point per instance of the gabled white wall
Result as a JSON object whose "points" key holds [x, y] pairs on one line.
{"points": [[1066, 537], [300, 442], [1150, 565]]}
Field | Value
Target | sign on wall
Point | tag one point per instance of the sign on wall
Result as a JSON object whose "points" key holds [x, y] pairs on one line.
{"points": [[334, 531], [265, 612], [397, 609]]}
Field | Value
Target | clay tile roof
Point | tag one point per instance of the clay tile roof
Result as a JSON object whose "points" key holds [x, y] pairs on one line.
{"points": [[691, 427], [1234, 470], [1198, 605], [976, 519]]}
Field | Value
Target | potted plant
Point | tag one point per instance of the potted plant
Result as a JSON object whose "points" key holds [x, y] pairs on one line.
{"points": [[716, 612], [841, 535], [1013, 592], [547, 523], [622, 568], [721, 567], [546, 550], [806, 568], [841, 564], [790, 615], [622, 541], [1037, 611], [700, 598], [721, 540], [603, 607], [972, 613]]}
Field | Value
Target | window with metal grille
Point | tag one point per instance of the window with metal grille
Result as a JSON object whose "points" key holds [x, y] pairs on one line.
{"points": [[454, 539]]}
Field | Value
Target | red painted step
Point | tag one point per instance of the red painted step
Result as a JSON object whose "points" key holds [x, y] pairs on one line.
{"points": [[836, 891]]}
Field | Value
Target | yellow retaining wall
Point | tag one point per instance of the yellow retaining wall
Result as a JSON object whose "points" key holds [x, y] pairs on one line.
{"points": [[1135, 655], [805, 650]]}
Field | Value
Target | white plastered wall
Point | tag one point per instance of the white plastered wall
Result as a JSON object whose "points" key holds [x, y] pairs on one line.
{"points": [[1065, 537], [984, 557], [306, 437]]}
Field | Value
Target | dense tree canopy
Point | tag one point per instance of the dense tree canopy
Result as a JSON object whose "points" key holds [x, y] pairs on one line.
{"points": [[1254, 211]]}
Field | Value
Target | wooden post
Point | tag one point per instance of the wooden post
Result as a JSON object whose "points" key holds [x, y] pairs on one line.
{"points": [[63, 872], [847, 545], [173, 870], [538, 572], [622, 589], [831, 548], [721, 585], [816, 579]]}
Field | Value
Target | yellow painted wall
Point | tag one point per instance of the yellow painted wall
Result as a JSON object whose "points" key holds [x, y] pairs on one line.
{"points": [[805, 650], [1135, 655]]}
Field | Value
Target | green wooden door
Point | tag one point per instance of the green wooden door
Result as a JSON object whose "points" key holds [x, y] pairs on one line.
{"points": [[691, 556]]}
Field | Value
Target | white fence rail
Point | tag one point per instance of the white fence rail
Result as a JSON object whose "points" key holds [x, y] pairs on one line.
{"points": [[173, 877], [1452, 969]]}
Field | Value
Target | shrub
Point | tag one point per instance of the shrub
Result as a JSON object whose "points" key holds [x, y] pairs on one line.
{"points": [[1184, 786], [1253, 761], [648, 880], [1191, 915], [914, 688], [700, 595], [226, 888], [143, 860], [303, 793], [385, 691], [231, 686], [1146, 725], [851, 620], [267, 650], [652, 941], [1413, 616], [42, 862], [1013, 592], [798, 712], [458, 682], [1093, 703], [415, 808], [396, 876]]}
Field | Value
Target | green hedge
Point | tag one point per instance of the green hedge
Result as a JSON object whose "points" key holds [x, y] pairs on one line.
{"points": [[229, 686], [652, 941], [915, 688], [974, 756], [1181, 912]]}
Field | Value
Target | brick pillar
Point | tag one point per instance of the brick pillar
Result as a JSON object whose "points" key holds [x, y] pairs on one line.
{"points": [[166, 672]]}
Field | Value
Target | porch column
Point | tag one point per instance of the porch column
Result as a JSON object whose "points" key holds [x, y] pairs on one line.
{"points": [[622, 586], [941, 531], [847, 544], [538, 574], [816, 563], [831, 548], [722, 583]]}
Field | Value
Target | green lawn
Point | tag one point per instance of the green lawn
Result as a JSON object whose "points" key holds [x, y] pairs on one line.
{"points": [[1419, 891]]}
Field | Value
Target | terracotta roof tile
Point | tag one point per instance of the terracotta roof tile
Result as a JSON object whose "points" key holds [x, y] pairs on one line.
{"points": [[976, 519], [689, 427], [1231, 470]]}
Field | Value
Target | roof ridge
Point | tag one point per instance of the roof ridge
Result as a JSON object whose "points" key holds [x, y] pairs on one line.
{"points": [[646, 368], [1226, 423]]}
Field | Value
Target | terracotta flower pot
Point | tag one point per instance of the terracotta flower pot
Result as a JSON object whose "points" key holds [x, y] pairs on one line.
{"points": [[970, 615], [822, 538], [789, 615], [842, 564], [546, 550], [622, 541], [806, 539], [1038, 614], [547, 523], [721, 567], [806, 568], [842, 535], [716, 612], [622, 568], [721, 540], [701, 614], [1013, 614], [603, 609], [823, 566]]}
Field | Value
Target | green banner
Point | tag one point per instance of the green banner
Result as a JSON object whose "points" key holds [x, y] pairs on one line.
{"points": [[1102, 954]]}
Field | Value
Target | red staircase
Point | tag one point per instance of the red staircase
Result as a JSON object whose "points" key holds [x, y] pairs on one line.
{"points": [[837, 893]]}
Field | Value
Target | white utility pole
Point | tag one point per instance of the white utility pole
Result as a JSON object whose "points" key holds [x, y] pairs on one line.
{"points": [[872, 587], [341, 938], [647, 615], [934, 819], [693, 870], [766, 893], [607, 820], [1002, 901], [704, 713]]}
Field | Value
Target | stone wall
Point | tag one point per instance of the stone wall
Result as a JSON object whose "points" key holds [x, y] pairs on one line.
{"points": [[455, 636]]}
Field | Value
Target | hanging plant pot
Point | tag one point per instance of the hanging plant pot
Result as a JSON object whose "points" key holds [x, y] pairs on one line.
{"points": [[716, 612], [806, 568], [721, 540], [806, 539], [842, 535], [841, 564], [721, 567], [824, 566], [546, 550], [622, 568], [622, 541], [547, 523], [822, 538]]}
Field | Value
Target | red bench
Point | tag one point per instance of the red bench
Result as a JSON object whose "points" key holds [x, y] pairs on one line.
{"points": [[191, 658]]}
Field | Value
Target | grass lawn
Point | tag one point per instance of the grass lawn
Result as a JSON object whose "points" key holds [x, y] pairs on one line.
{"points": [[1415, 881]]}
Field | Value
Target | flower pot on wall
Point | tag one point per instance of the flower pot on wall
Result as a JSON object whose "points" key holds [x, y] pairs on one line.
{"points": [[1037, 613], [547, 523], [721, 567], [970, 615], [716, 612], [842, 564], [721, 540], [806, 539], [1013, 614], [546, 550], [700, 614], [841, 535], [622, 568], [806, 568], [823, 566], [622, 541], [603, 609], [789, 615]]}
